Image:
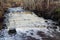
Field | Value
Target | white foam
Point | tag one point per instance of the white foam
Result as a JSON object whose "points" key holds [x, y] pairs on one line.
{"points": [[24, 21]]}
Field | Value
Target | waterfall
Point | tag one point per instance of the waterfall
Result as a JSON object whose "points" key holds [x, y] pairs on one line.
{"points": [[25, 25]]}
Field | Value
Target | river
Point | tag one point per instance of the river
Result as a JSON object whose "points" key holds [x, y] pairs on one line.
{"points": [[26, 25]]}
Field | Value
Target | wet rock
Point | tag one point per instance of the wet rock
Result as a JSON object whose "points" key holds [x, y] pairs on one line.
{"points": [[31, 38], [46, 21], [49, 38], [54, 27], [31, 33], [12, 31], [42, 34], [4, 26]]}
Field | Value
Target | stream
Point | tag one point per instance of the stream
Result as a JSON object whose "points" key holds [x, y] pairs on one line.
{"points": [[21, 24]]}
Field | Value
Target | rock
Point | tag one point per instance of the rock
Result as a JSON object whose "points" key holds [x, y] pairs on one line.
{"points": [[12, 31], [31, 38]]}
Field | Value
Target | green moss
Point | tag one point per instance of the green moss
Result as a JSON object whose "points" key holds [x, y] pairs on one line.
{"points": [[57, 10]]}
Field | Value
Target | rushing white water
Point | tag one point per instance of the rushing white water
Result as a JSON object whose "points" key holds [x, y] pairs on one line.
{"points": [[27, 24], [24, 33], [24, 19]]}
